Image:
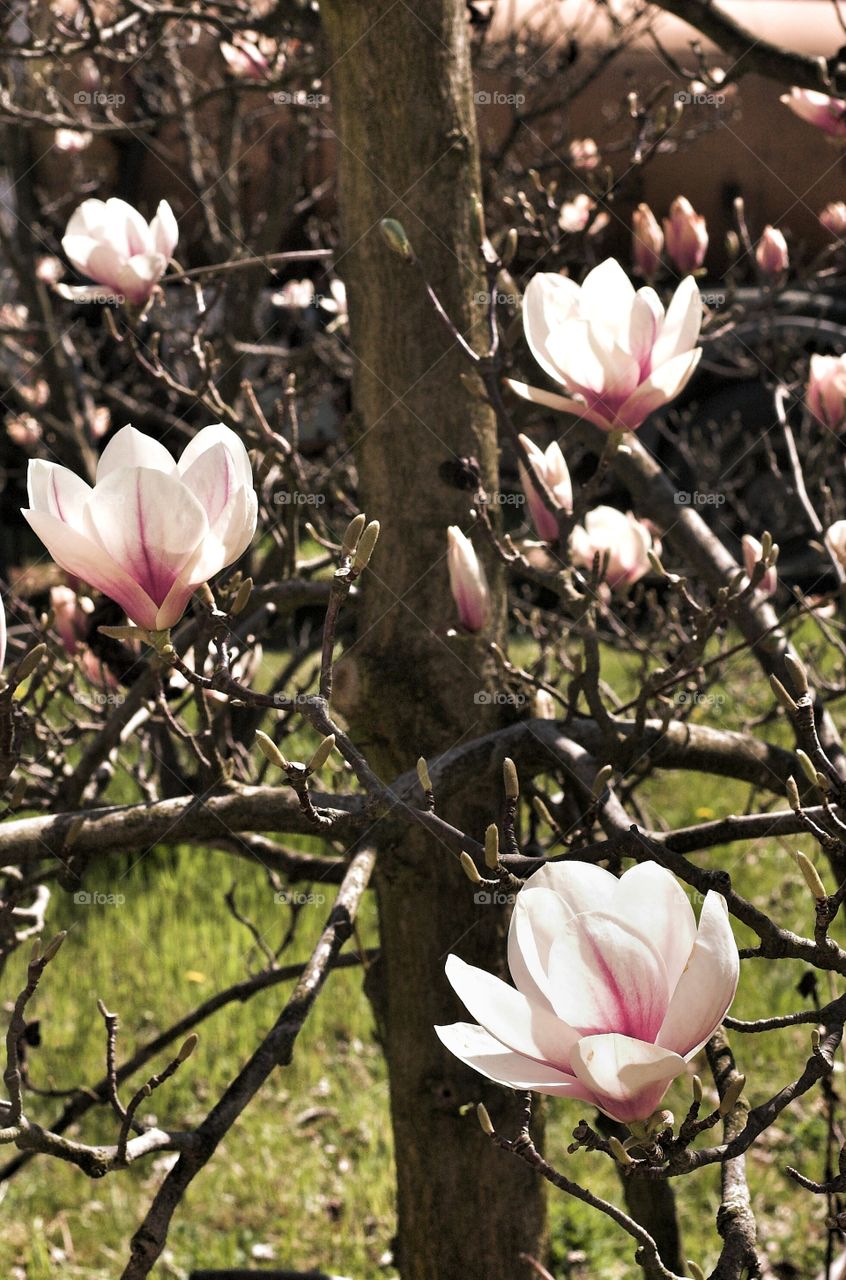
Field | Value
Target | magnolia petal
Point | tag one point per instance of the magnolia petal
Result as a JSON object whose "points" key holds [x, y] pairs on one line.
{"points": [[538, 917], [662, 386], [606, 292], [549, 302], [131, 448], [485, 1054], [164, 230], [58, 491], [644, 325], [680, 330], [125, 228], [83, 558], [510, 1017], [100, 262], [606, 976], [628, 1076], [565, 404], [707, 986], [149, 523], [650, 898], [580, 885], [218, 434]]}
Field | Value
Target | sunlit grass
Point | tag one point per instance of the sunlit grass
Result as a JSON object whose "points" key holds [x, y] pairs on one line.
{"points": [[305, 1180]]}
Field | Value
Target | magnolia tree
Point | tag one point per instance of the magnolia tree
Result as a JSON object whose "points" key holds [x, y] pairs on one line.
{"points": [[496, 673]]}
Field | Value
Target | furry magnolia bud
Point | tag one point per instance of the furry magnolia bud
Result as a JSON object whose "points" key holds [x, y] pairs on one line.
{"points": [[270, 751], [352, 533], [470, 868], [811, 877], [731, 1095], [322, 754], [492, 847], [366, 543], [510, 780]]}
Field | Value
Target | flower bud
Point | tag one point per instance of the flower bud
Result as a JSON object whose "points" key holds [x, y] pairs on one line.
{"points": [[685, 236], [468, 581], [396, 238], [366, 544], [827, 114], [833, 218], [510, 780], [270, 751], [548, 465], [772, 254], [825, 394], [188, 1047], [423, 774], [469, 867], [647, 242], [492, 847], [484, 1119], [811, 877], [322, 754], [753, 554], [352, 533], [731, 1095]]}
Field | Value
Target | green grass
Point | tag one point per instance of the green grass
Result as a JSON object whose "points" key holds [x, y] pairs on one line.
{"points": [[307, 1171]]}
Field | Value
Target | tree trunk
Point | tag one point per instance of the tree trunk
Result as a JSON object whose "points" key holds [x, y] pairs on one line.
{"points": [[407, 150]]}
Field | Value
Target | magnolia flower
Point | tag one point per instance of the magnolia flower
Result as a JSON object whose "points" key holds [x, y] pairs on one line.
{"points": [[110, 242], [72, 139], [624, 539], [833, 218], [575, 215], [685, 236], [647, 242], [584, 153], [467, 580], [825, 394], [835, 537], [151, 530], [614, 350], [552, 468], [752, 551], [771, 253], [70, 612], [245, 59], [828, 114], [616, 988]]}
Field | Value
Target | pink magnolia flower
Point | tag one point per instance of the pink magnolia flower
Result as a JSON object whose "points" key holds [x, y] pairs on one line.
{"points": [[550, 465], [150, 531], [835, 537], [467, 580], [825, 394], [833, 218], [245, 59], [616, 988], [647, 242], [70, 612], [828, 114], [110, 242], [772, 254], [685, 236], [625, 539], [751, 556], [616, 352]]}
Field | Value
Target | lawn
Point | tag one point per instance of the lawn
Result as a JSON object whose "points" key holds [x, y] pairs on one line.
{"points": [[305, 1179]]}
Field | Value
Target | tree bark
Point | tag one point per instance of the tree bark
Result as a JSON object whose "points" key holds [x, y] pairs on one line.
{"points": [[407, 149]]}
